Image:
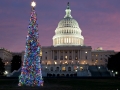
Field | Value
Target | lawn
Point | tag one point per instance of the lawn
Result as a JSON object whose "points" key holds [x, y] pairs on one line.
{"points": [[65, 84]]}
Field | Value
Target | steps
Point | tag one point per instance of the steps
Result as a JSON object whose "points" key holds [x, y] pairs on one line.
{"points": [[99, 71], [15, 73], [94, 71], [104, 72]]}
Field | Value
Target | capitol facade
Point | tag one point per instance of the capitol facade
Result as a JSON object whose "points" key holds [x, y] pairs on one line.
{"points": [[69, 56]]}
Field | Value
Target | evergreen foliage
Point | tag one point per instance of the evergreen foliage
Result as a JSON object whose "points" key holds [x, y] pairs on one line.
{"points": [[31, 74], [2, 69], [114, 63]]}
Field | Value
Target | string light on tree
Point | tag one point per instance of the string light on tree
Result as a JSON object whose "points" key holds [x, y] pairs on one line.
{"points": [[31, 74]]}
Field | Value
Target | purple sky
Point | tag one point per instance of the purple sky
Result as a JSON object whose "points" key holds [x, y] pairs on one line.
{"points": [[99, 21]]}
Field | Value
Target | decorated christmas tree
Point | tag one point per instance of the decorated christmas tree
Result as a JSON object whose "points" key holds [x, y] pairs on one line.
{"points": [[31, 74]]}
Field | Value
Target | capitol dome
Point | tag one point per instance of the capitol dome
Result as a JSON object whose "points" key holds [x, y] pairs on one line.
{"points": [[68, 32]]}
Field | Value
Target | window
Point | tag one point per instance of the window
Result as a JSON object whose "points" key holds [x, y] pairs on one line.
{"points": [[57, 69], [46, 52], [70, 58], [63, 69], [55, 58], [61, 57], [69, 68], [81, 68], [75, 67], [86, 57], [46, 58], [51, 68]]}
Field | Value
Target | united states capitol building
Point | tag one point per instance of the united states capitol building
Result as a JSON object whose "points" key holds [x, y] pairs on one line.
{"points": [[68, 56]]}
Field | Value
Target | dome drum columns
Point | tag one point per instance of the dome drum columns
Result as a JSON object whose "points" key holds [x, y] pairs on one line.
{"points": [[61, 41]]}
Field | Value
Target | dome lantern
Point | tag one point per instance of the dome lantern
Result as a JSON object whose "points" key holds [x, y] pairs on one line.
{"points": [[68, 11]]}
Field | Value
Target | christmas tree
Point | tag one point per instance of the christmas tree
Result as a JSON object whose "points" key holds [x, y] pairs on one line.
{"points": [[2, 65], [31, 74]]}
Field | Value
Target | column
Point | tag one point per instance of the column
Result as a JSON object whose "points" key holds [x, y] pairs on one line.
{"points": [[58, 40], [63, 55], [72, 54], [73, 41], [59, 54], [62, 40], [69, 40], [79, 41], [76, 40], [78, 54], [68, 54], [53, 54]]}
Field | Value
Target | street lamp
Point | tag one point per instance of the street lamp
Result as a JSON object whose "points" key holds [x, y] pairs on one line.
{"points": [[6, 72], [116, 73]]}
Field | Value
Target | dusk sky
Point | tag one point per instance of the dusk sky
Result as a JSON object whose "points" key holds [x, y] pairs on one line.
{"points": [[99, 21]]}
